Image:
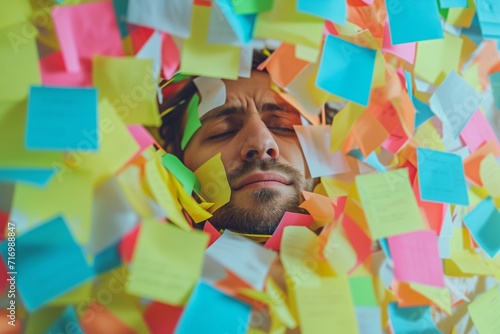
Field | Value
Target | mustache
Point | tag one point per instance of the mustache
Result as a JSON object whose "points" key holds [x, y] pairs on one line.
{"points": [[271, 165]]}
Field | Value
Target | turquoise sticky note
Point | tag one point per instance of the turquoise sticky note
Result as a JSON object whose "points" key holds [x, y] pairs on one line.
{"points": [[409, 320], [422, 112], [39, 177], [62, 119], [193, 122], [210, 311], [107, 259], [441, 177], [495, 87], [121, 10], [453, 3], [488, 13], [182, 173], [346, 70], [484, 224], [66, 323], [413, 21], [48, 263], [333, 10], [242, 25]]}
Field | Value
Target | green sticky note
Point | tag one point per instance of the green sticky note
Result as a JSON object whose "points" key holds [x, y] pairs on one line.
{"points": [[19, 67], [182, 173], [252, 6], [14, 12], [193, 121], [362, 291]]}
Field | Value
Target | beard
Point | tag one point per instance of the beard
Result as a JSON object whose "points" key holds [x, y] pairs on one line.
{"points": [[269, 204]]}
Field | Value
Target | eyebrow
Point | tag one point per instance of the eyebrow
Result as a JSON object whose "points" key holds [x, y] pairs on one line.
{"points": [[232, 110]]}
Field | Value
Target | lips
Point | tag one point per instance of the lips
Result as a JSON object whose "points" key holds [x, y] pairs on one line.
{"points": [[263, 179]]}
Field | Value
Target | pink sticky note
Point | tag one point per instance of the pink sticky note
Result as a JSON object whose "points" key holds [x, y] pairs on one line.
{"points": [[126, 246], [85, 30], [289, 219], [477, 132], [54, 72], [212, 231], [361, 242], [405, 51], [170, 56], [141, 135], [162, 318], [416, 258]]}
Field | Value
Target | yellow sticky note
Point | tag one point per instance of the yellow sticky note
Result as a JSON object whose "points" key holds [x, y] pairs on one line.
{"points": [[389, 203], [167, 262], [428, 137], [164, 192], [279, 305], [12, 137], [69, 193], [14, 12], [214, 185], [327, 308], [198, 57], [490, 175], [19, 54], [194, 210], [470, 263], [286, 24], [307, 53], [441, 297], [334, 187], [343, 123], [130, 85], [117, 146], [484, 311], [338, 251], [78, 295], [462, 17], [436, 58]]}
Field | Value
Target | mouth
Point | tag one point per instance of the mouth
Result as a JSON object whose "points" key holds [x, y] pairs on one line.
{"points": [[262, 180]]}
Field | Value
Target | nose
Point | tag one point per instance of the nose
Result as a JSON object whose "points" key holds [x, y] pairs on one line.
{"points": [[259, 142]]}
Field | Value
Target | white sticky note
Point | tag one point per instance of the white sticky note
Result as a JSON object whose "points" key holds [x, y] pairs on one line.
{"points": [[172, 16], [454, 102], [152, 50], [212, 92], [246, 59], [219, 29], [247, 259], [369, 319], [315, 143]]}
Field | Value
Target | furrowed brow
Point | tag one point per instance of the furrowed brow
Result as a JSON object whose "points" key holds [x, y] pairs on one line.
{"points": [[215, 114]]}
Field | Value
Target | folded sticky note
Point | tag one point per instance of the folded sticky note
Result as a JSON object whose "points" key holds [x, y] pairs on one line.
{"points": [[333, 10], [404, 318], [212, 312], [240, 26], [478, 131], [212, 92], [214, 185], [441, 177], [454, 102], [413, 21], [69, 112], [416, 258], [346, 69], [389, 203], [484, 224], [289, 219], [158, 272], [173, 17], [66, 269], [182, 173]]}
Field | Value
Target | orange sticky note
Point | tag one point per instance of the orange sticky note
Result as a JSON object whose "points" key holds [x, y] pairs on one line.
{"points": [[369, 133], [472, 164], [289, 219], [283, 66]]}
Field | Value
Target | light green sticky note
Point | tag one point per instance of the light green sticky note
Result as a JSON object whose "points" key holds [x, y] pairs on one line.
{"points": [[484, 311], [286, 24], [362, 291], [389, 203], [14, 12], [12, 133], [167, 262], [193, 122], [252, 6], [204, 59], [19, 66], [182, 173]]}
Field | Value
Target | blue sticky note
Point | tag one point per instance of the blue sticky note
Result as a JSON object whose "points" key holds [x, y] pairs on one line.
{"points": [[495, 86], [488, 13], [413, 21], [121, 10], [453, 3], [410, 320], [62, 119], [66, 323], [384, 244], [422, 112], [346, 70], [242, 24], [484, 224], [48, 263], [441, 177], [210, 311], [107, 259], [39, 177], [333, 10]]}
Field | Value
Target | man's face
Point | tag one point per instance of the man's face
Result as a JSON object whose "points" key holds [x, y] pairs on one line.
{"points": [[260, 151]]}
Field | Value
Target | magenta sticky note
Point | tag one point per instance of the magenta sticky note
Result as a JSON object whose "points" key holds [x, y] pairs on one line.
{"points": [[289, 219], [405, 51], [416, 258]]}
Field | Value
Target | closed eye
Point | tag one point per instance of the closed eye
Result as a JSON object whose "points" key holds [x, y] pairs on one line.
{"points": [[281, 129], [222, 135]]}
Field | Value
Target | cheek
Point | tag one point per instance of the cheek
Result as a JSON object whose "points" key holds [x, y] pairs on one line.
{"points": [[292, 153]]}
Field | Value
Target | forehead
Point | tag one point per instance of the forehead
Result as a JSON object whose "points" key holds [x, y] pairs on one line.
{"points": [[258, 86]]}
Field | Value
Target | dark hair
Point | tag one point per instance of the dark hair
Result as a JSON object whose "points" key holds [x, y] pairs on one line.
{"points": [[176, 97]]}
